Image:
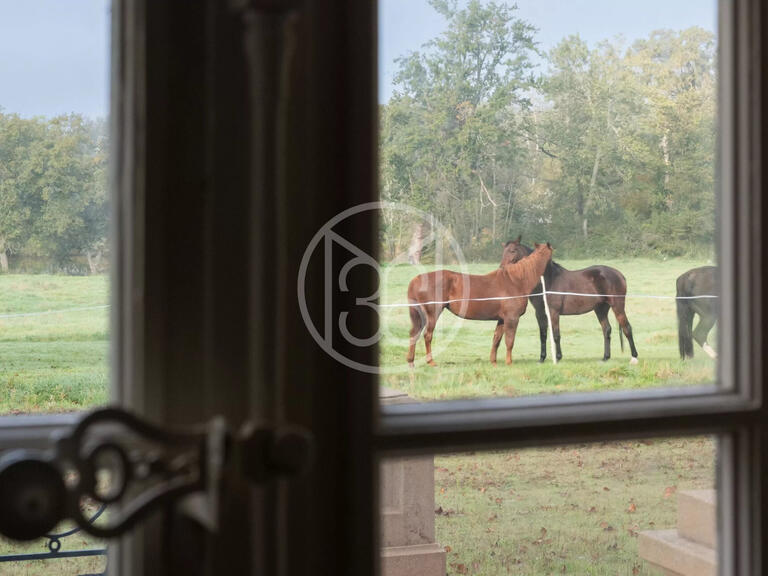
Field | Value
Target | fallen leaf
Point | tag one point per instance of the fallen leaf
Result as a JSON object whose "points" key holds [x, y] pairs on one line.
{"points": [[669, 490], [632, 508], [448, 549], [460, 568], [606, 488], [592, 510]]}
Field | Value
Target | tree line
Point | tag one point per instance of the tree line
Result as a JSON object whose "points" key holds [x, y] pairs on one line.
{"points": [[604, 150], [54, 203]]}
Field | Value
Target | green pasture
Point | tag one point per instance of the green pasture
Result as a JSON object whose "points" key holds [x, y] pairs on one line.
{"points": [[55, 360], [574, 510]]}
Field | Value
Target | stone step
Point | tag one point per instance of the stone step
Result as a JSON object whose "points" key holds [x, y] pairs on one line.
{"points": [[675, 555], [418, 560], [697, 516]]}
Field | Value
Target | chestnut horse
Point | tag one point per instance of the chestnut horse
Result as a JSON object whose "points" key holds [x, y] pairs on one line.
{"points": [[607, 284], [494, 296], [696, 282]]}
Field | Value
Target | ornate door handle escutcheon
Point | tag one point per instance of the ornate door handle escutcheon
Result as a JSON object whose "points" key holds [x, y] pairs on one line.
{"points": [[114, 457]]}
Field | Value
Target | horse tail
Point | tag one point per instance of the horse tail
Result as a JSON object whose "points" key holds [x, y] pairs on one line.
{"points": [[684, 322]]}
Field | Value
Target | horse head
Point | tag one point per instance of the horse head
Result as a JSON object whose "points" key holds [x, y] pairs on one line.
{"points": [[513, 251]]}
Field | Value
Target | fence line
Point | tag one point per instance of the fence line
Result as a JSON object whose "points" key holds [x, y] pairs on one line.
{"points": [[542, 293], [49, 312], [410, 304]]}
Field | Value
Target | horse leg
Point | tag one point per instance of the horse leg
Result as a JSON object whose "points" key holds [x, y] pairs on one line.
{"points": [[541, 318], [621, 318], [601, 310], [417, 325], [432, 317], [706, 322], [555, 316], [684, 327], [496, 340], [510, 328]]}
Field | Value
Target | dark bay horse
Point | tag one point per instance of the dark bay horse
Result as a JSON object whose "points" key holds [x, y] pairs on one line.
{"points": [[696, 282], [498, 296], [593, 280]]}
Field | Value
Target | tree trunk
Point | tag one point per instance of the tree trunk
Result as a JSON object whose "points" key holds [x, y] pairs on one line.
{"points": [[3, 256], [417, 243], [92, 263], [665, 152], [592, 184]]}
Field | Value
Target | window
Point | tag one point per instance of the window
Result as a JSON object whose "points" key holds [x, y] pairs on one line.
{"points": [[55, 255], [242, 132], [501, 122]]}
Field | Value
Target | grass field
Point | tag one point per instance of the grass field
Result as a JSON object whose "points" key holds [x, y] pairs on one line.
{"points": [[53, 362], [564, 510], [574, 510]]}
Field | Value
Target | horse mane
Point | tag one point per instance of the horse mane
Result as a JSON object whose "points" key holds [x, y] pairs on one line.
{"points": [[556, 266], [551, 265], [527, 269]]}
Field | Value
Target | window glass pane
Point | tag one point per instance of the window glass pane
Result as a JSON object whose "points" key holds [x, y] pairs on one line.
{"points": [[54, 205], [590, 126], [635, 507]]}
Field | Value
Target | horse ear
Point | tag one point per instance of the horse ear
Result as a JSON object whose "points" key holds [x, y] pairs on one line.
{"points": [[549, 245], [536, 244], [519, 238]]}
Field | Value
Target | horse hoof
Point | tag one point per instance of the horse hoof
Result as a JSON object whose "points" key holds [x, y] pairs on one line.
{"points": [[542, 359], [431, 363], [411, 365], [606, 358], [633, 360], [708, 349]]}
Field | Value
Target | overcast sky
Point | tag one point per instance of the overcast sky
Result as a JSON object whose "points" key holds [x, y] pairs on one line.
{"points": [[54, 54]]}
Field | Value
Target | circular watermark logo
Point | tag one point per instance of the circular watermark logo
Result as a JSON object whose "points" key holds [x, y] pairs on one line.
{"points": [[426, 236]]}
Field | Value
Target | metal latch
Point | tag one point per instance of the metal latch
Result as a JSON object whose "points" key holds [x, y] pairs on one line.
{"points": [[116, 459]]}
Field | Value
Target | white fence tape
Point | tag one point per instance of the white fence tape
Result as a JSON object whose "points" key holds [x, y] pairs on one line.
{"points": [[49, 312], [555, 292]]}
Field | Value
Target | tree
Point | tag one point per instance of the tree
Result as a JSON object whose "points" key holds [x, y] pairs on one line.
{"points": [[452, 138], [20, 173], [53, 192]]}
